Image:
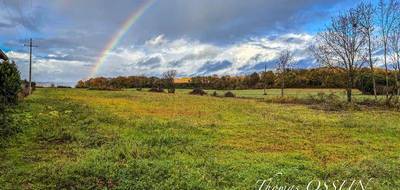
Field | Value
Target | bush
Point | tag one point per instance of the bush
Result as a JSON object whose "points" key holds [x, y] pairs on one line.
{"points": [[156, 89], [329, 102], [230, 94], [198, 91], [10, 83], [63, 86], [10, 86], [171, 90]]}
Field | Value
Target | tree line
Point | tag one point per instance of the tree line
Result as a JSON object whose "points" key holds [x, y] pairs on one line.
{"points": [[323, 77]]}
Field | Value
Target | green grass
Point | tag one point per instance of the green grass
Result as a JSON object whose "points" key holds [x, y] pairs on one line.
{"points": [[82, 139], [290, 92], [271, 93]]}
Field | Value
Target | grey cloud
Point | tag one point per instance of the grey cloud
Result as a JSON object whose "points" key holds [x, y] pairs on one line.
{"points": [[205, 54], [210, 67], [257, 67], [150, 63], [19, 12], [5, 25], [224, 21]]}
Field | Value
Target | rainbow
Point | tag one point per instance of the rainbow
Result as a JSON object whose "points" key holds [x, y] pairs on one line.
{"points": [[116, 38]]}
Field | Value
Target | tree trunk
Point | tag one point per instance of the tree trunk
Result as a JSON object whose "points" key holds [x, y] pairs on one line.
{"points": [[371, 64], [386, 71], [349, 87]]}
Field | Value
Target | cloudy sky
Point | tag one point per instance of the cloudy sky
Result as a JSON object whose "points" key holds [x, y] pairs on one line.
{"points": [[194, 37]]}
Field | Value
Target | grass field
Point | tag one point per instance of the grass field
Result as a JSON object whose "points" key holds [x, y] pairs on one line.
{"points": [[81, 139], [271, 93], [290, 92]]}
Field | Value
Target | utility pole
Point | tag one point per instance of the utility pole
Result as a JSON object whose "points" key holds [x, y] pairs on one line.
{"points": [[30, 45]]}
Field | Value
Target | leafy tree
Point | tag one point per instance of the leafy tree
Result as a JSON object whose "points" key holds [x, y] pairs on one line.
{"points": [[253, 80], [81, 84], [10, 86], [10, 83]]}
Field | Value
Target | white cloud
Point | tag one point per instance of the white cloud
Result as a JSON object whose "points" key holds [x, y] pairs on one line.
{"points": [[188, 56], [50, 69], [157, 55]]}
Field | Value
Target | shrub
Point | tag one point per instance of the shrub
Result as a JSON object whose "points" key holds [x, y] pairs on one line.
{"points": [[63, 86], [171, 90], [80, 84], [10, 86], [198, 91], [10, 83], [230, 94], [329, 102]]}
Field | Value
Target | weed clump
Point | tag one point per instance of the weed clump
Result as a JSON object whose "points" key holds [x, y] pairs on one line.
{"points": [[229, 94], [171, 90], [198, 91], [329, 102]]}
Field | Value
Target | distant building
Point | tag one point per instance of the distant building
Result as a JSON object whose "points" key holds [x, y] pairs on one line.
{"points": [[3, 56], [182, 80]]}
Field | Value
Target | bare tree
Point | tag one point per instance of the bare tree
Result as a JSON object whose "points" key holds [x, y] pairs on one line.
{"points": [[394, 44], [284, 62], [341, 46], [387, 15], [366, 12], [169, 79]]}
